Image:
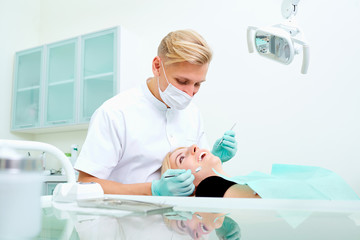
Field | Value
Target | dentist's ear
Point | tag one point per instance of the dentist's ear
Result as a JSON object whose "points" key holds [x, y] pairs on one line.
{"points": [[156, 63]]}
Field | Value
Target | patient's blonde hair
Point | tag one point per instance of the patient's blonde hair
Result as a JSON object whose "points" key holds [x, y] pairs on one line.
{"points": [[184, 46], [166, 165], [166, 162]]}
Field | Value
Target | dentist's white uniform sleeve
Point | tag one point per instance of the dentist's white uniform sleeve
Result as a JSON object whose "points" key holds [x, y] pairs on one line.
{"points": [[103, 146]]}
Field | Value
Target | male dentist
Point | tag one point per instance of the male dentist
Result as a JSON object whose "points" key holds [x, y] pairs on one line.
{"points": [[130, 134]]}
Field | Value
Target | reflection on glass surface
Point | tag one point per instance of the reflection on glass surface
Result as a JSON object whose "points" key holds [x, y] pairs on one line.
{"points": [[272, 46], [202, 224], [234, 224], [181, 225]]}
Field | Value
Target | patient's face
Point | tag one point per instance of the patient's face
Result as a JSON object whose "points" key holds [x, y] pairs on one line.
{"points": [[201, 224], [191, 158]]}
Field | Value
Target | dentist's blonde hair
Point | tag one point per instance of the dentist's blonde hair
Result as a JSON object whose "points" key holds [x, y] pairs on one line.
{"points": [[185, 46]]}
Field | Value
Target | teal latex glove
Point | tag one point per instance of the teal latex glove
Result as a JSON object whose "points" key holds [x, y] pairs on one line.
{"points": [[227, 149], [179, 185], [230, 230]]}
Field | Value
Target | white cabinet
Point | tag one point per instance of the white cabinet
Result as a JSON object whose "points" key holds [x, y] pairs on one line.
{"points": [[58, 86]]}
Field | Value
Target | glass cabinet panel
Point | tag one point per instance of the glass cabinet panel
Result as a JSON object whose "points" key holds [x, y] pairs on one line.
{"points": [[60, 104], [29, 69], [61, 61], [60, 84], [27, 108], [63, 83], [26, 94], [96, 91], [98, 71], [99, 54]]}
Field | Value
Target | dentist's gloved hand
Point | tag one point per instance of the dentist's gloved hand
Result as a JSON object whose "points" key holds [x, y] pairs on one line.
{"points": [[227, 149], [180, 185], [230, 230]]}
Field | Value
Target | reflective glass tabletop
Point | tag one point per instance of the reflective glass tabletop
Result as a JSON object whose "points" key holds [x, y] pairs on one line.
{"points": [[204, 218]]}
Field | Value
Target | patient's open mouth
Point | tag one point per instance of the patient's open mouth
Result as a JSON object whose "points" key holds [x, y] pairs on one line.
{"points": [[202, 156]]}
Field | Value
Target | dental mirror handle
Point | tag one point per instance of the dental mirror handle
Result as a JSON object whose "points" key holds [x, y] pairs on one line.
{"points": [[222, 139], [196, 171]]}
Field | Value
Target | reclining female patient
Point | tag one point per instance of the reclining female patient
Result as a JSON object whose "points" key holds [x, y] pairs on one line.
{"points": [[285, 181]]}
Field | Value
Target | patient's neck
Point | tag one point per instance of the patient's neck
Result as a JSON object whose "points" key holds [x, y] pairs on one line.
{"points": [[221, 171], [208, 172]]}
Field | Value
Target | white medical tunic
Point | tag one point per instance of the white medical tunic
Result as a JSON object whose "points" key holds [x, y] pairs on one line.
{"points": [[130, 134]]}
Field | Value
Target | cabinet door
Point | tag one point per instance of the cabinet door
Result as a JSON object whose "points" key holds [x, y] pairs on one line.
{"points": [[27, 89], [60, 83], [98, 71]]}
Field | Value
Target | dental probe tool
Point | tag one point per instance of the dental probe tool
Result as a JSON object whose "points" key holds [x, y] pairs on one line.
{"points": [[196, 170], [223, 138], [201, 136]]}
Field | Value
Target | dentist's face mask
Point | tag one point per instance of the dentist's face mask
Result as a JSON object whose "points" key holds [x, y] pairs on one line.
{"points": [[172, 96]]}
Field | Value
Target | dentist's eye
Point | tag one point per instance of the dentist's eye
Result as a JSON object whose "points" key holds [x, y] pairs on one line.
{"points": [[181, 81], [181, 159]]}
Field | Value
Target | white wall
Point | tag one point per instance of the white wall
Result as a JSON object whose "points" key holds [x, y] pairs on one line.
{"points": [[19, 29], [282, 116]]}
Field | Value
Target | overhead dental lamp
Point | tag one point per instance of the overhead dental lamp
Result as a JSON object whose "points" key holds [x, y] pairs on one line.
{"points": [[280, 42]]}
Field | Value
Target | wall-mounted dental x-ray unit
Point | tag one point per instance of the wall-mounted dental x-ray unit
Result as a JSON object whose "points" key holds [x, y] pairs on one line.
{"points": [[279, 42]]}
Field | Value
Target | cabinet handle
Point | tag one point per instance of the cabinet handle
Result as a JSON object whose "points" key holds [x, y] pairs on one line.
{"points": [[59, 122], [25, 126]]}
